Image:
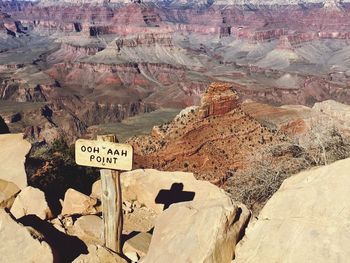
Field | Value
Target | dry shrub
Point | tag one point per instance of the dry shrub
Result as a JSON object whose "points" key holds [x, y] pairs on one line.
{"points": [[271, 165]]}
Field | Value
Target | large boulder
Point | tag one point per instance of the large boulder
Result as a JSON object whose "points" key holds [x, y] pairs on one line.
{"points": [[198, 231], [98, 254], [8, 192], [157, 190], [13, 153], [306, 220], [17, 245], [31, 201], [78, 203], [89, 229]]}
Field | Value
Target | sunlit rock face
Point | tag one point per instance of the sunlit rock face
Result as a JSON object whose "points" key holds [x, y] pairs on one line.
{"points": [[13, 156], [308, 195], [32, 249]]}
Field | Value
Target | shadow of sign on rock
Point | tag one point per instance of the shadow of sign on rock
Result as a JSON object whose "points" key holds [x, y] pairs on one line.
{"points": [[174, 195]]}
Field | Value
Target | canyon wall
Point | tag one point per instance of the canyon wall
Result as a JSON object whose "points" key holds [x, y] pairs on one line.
{"points": [[101, 63]]}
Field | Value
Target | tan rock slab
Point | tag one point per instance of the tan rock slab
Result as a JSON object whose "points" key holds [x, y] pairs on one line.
{"points": [[145, 186], [89, 229], [78, 203], [98, 254], [139, 244], [31, 201], [197, 231], [306, 220], [13, 153], [132, 256], [17, 245], [8, 192], [141, 220]]}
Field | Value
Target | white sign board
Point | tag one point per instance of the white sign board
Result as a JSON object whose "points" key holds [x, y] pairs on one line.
{"points": [[104, 154]]}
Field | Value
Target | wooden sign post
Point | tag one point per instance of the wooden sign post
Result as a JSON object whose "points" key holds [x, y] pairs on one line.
{"points": [[108, 154]]}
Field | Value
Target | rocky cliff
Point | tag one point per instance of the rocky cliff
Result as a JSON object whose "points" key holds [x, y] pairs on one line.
{"points": [[102, 63], [205, 3]]}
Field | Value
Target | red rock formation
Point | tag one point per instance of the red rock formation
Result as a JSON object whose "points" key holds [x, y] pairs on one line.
{"points": [[208, 146], [222, 145], [219, 99]]}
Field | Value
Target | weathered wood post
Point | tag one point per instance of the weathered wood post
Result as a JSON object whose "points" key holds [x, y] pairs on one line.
{"points": [[111, 203], [112, 157]]}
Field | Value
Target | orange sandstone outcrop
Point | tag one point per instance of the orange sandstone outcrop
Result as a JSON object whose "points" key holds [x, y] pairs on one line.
{"points": [[219, 99], [219, 138], [209, 140]]}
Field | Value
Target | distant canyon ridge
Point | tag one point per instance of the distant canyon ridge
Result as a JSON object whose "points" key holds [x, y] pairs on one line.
{"points": [[67, 66]]}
